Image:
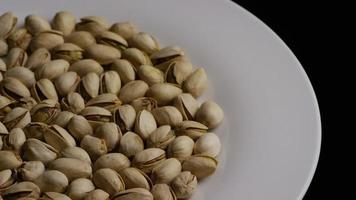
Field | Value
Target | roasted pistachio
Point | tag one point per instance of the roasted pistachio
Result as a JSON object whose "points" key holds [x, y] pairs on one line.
{"points": [[112, 39], [135, 178], [208, 144], [131, 144], [196, 83], [178, 71], [19, 38], [84, 67], [8, 23], [16, 57], [17, 118], [95, 147], [114, 161], [109, 132], [71, 167], [161, 137], [5, 106], [45, 111], [26, 76], [58, 137], [136, 57], [14, 140], [3, 48], [210, 114], [83, 39], [35, 149], [125, 29], [36, 24], [79, 127], [133, 193], [96, 115], [184, 185], [52, 70], [52, 181], [162, 191], [144, 42], [54, 196], [64, 21], [147, 159], [74, 102], [133, 90], [9, 160], [93, 24], [76, 153], [66, 83], [192, 129], [38, 58], [30, 170], [108, 180], [124, 116], [12, 88], [62, 119], [44, 89], [69, 52], [108, 101], [89, 86], [47, 39], [26, 102], [35, 130], [167, 115], [145, 123], [166, 55], [110, 82], [164, 93], [146, 103], [79, 188], [125, 70], [166, 171], [21, 190], [187, 105], [102, 53], [97, 194], [7, 179], [150, 74], [201, 166], [181, 148]]}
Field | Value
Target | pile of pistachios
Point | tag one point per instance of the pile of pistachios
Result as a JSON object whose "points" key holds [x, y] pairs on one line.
{"points": [[93, 111]]}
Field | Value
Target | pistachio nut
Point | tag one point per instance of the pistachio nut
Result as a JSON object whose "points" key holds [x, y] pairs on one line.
{"points": [[167, 115], [76, 153], [21, 190], [19, 38], [166, 55], [47, 39], [93, 24], [44, 89], [102, 53], [124, 116], [74, 102], [181, 148], [145, 123], [109, 132], [79, 188], [35, 149], [64, 21], [58, 137], [133, 90], [108, 101], [67, 82], [8, 23], [166, 171], [14, 140], [71, 167], [9, 160], [187, 105], [144, 42], [38, 58], [184, 185], [177, 71], [52, 69], [95, 147], [147, 159], [136, 57], [83, 39], [161, 137], [3, 48], [36, 24], [6, 179], [96, 115], [26, 102], [35, 130], [210, 114], [5, 106], [108, 180], [85, 66], [200, 165], [110, 82], [3, 129], [89, 86], [191, 129], [196, 83], [30, 170], [45, 111], [150, 74], [17, 118], [125, 70], [52, 181], [164, 93], [13, 88], [26, 76], [54, 196], [135, 178], [62, 119], [209, 144], [2, 64], [112, 39], [142, 103], [68, 51], [79, 127], [97, 194], [125, 29], [131, 144], [114, 161], [162, 191], [16, 57], [133, 193]]}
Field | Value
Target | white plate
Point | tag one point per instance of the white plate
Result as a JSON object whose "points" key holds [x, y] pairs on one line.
{"points": [[271, 133]]}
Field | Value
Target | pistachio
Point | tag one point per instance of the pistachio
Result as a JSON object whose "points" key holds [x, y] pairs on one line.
{"points": [[93, 24], [83, 39], [79, 127], [210, 114], [8, 24], [35, 149], [112, 39], [95, 147], [110, 82], [102, 53], [79, 188], [16, 57], [45, 111], [132, 194], [89, 86], [162, 191], [184, 185], [35, 130], [147, 159], [125, 29], [178, 71], [54, 196], [76, 153], [58, 137], [135, 178], [114, 161], [144, 42], [5, 106], [9, 160], [38, 58], [97, 194], [84, 67], [26, 102], [68, 51], [30, 170], [47, 39], [108, 180], [64, 21], [67, 82], [3, 48], [166, 171], [164, 93], [208, 144], [2, 65], [161, 137], [96, 115], [52, 70], [71, 167], [26, 76], [109, 132], [200, 165], [12, 88], [150, 75], [133, 90], [74, 102], [108, 101], [36, 24], [52, 181], [131, 144], [14, 140], [20, 38], [44, 89], [136, 57], [167, 115], [3, 129], [124, 116], [196, 83], [181, 148], [145, 123], [187, 105], [6, 179], [62, 119], [125, 70], [21, 190], [166, 55], [17, 118], [191, 129], [142, 103]]}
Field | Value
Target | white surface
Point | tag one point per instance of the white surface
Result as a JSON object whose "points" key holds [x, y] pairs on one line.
{"points": [[271, 134]]}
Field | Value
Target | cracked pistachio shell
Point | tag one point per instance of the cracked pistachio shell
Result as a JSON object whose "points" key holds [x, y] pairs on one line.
{"points": [[38, 58], [166, 54], [54, 196], [164, 93], [17, 118], [26, 76], [30, 170], [108, 101], [125, 29], [196, 83], [52, 69], [102, 53], [76, 153], [131, 144], [132, 194], [89, 86], [45, 111], [114, 161], [5, 107], [187, 105], [136, 57], [125, 70], [93, 24], [184, 185], [191, 129], [36, 24], [150, 74], [74, 102], [210, 114], [83, 39], [64, 21], [135, 178], [110, 82], [35, 130], [166, 171], [13, 88], [62, 119], [167, 115], [35, 149], [21, 190], [147, 159], [3, 48], [133, 90], [3, 129], [124, 116], [85, 66], [144, 42], [95, 147], [97, 194], [44, 89], [52, 181], [181, 148], [142, 103], [109, 132], [178, 71], [108, 180], [145, 123], [68, 51], [14, 140], [58, 137], [199, 165], [47, 39], [71, 167], [6, 179], [112, 39], [8, 23], [79, 188], [79, 127], [161, 137], [20, 38], [9, 160], [96, 115], [67, 82], [26, 102], [209, 144], [162, 191], [16, 57]]}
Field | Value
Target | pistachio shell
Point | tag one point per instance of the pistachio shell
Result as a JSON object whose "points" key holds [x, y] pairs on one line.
{"points": [[2, 63], [184, 185], [93, 24], [145, 123], [135, 178], [124, 116], [191, 129], [96, 115], [3, 48], [68, 51], [108, 101], [46, 111], [62, 119], [112, 39], [164, 93], [35, 130], [30, 170], [64, 21], [38, 58], [166, 171], [84, 67], [108, 180], [35, 149], [36, 24], [147, 159], [26, 102], [133, 90], [22, 189], [136, 57], [76, 153], [52, 70], [163, 192], [109, 132], [79, 127], [95, 147], [9, 160], [58, 137], [14, 140], [44, 89], [17, 118], [201, 166], [167, 115], [144, 42], [125, 70], [8, 24], [187, 105], [161, 137], [110, 82], [12, 88], [196, 83], [150, 74], [181, 148], [166, 54], [19, 38], [71, 167], [146, 103], [114, 161], [52, 181], [67, 82], [97, 194], [16, 57], [6, 179], [132, 194], [89, 86], [54, 196], [102, 53], [81, 38], [208, 144], [125, 29], [178, 71], [3, 129], [74, 102], [47, 39], [131, 144], [79, 188], [210, 114]]}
